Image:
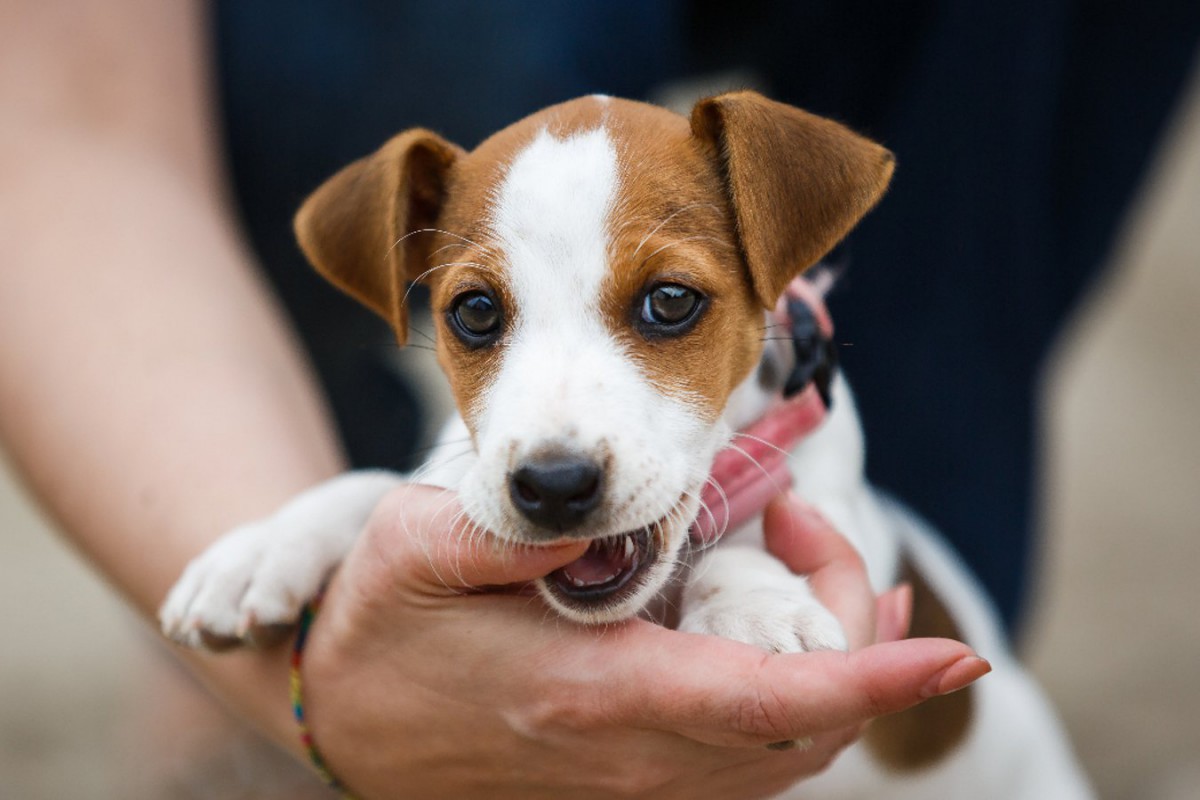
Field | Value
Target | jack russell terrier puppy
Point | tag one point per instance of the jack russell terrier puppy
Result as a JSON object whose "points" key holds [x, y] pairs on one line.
{"points": [[603, 276]]}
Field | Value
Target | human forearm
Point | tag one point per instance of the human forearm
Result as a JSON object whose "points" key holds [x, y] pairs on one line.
{"points": [[147, 388], [149, 392]]}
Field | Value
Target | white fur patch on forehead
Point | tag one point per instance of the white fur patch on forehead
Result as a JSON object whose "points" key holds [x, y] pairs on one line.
{"points": [[552, 208]]}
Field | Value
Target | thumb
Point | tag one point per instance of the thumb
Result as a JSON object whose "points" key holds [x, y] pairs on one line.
{"points": [[424, 534]]}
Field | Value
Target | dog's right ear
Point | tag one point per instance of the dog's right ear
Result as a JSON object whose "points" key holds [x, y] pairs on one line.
{"points": [[355, 228], [797, 183]]}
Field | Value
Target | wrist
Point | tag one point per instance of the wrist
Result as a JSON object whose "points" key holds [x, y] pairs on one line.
{"points": [[297, 695], [254, 685], [325, 693]]}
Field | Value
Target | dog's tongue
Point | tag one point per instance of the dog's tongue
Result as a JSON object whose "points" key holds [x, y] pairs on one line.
{"points": [[604, 560], [745, 478]]}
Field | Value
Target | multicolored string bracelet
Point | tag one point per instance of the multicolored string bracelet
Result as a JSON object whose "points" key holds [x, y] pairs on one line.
{"points": [[297, 693]]}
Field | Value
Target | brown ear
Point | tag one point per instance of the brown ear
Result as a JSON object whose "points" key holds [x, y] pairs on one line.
{"points": [[355, 227], [797, 182]]}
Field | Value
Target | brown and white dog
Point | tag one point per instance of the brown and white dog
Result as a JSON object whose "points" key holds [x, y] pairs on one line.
{"points": [[599, 273]]}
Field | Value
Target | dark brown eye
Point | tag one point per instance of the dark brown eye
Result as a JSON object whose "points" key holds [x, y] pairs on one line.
{"points": [[669, 307], [476, 318]]}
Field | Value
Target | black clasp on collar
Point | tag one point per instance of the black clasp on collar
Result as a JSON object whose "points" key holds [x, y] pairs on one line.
{"points": [[816, 354]]}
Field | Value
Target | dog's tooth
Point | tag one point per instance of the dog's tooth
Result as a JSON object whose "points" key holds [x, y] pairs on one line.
{"points": [[628, 546]]}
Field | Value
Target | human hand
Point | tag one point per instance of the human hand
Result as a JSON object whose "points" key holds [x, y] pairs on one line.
{"points": [[417, 687]]}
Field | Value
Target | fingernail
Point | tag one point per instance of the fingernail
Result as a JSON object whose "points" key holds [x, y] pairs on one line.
{"points": [[958, 675], [790, 504], [801, 508], [904, 605], [791, 501], [895, 614]]}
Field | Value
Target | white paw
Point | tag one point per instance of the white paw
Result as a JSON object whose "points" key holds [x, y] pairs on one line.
{"points": [[772, 618], [250, 586], [745, 594], [251, 583]]}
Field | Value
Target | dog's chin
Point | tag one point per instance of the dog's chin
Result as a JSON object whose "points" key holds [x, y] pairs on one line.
{"points": [[615, 578]]}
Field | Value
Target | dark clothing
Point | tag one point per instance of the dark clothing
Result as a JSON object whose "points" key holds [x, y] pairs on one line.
{"points": [[1021, 131]]}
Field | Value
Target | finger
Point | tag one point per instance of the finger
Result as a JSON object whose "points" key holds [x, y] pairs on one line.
{"points": [[808, 544], [893, 614], [724, 693], [434, 546]]}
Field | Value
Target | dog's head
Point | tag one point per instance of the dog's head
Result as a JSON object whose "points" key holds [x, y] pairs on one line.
{"points": [[598, 273]]}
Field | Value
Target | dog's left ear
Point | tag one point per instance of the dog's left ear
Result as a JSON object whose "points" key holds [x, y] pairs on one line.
{"points": [[357, 228], [797, 183]]}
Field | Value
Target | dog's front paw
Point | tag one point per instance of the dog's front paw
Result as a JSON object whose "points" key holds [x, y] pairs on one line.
{"points": [[748, 596], [249, 587], [775, 620]]}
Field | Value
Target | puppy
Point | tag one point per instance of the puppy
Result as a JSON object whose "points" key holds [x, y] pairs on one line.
{"points": [[601, 275]]}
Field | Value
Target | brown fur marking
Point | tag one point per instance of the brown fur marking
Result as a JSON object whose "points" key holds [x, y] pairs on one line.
{"points": [[925, 734]]}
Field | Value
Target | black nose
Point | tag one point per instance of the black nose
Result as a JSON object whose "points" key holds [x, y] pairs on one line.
{"points": [[556, 491]]}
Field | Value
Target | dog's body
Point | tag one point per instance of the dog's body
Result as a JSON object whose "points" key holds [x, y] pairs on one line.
{"points": [[600, 273]]}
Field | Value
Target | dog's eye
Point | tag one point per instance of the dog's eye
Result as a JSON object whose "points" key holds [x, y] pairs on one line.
{"points": [[476, 317], [670, 306]]}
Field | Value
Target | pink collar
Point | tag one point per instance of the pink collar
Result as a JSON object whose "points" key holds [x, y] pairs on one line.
{"points": [[754, 467]]}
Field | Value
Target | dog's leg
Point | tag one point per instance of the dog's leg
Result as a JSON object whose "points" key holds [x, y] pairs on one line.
{"points": [[745, 594], [252, 583], [741, 592]]}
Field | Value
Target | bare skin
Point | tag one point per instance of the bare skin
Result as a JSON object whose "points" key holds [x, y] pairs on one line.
{"points": [[152, 397], [629, 710]]}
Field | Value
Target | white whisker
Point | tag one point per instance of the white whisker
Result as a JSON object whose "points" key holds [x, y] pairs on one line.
{"points": [[660, 225], [755, 462], [461, 238], [771, 445], [684, 240]]}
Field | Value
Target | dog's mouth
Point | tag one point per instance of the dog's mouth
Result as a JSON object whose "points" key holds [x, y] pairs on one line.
{"points": [[608, 572]]}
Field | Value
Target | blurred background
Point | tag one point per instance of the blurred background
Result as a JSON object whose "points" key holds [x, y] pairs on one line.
{"points": [[91, 708]]}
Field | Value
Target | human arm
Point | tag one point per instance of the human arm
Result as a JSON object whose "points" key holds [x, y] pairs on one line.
{"points": [[149, 393]]}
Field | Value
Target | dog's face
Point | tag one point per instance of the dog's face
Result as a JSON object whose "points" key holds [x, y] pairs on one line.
{"points": [[598, 275]]}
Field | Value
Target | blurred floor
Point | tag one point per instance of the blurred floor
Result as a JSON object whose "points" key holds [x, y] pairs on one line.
{"points": [[67, 665], [1115, 635]]}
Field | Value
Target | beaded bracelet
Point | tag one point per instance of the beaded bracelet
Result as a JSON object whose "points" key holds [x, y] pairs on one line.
{"points": [[297, 693]]}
